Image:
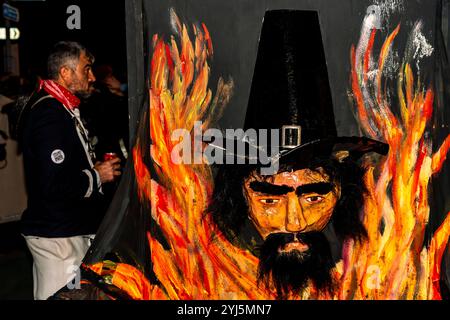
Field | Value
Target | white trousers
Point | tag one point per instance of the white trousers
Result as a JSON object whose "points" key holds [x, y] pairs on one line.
{"points": [[56, 263]]}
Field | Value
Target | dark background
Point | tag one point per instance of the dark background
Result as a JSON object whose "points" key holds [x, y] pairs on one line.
{"points": [[235, 25], [43, 23]]}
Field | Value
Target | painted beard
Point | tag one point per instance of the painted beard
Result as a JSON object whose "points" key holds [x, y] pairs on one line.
{"points": [[288, 269]]}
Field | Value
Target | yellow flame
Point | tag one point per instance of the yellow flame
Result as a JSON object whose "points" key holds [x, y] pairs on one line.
{"points": [[394, 263]]}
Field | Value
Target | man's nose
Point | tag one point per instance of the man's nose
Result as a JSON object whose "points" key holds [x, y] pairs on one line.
{"points": [[295, 219], [91, 77]]}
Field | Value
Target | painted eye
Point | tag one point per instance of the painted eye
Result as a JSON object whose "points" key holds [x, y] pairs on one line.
{"points": [[269, 201], [314, 199]]}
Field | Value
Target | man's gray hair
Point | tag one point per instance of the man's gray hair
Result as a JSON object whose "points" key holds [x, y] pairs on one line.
{"points": [[65, 54]]}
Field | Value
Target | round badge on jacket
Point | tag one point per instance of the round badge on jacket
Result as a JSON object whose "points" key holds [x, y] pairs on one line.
{"points": [[58, 156]]}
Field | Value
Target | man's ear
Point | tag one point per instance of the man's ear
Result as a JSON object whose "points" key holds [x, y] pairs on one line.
{"points": [[65, 74]]}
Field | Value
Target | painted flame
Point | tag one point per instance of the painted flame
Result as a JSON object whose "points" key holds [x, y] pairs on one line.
{"points": [[202, 264], [394, 263]]}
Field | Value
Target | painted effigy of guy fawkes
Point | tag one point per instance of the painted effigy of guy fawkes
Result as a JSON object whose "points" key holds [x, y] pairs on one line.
{"points": [[383, 253]]}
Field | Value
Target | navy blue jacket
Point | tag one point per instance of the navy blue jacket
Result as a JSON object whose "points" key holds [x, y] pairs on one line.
{"points": [[63, 191]]}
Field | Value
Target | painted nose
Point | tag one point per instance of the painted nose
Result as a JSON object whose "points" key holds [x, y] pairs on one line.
{"points": [[295, 219]]}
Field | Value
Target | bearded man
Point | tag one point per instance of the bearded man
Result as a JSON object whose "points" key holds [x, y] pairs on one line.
{"points": [[63, 181]]}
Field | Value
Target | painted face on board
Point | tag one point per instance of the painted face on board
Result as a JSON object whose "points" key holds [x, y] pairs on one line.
{"points": [[301, 201]]}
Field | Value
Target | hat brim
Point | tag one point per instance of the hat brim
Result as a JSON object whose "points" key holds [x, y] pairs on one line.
{"points": [[341, 147], [354, 147]]}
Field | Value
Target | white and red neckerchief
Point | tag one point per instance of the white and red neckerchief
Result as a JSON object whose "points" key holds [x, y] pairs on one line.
{"points": [[60, 93]]}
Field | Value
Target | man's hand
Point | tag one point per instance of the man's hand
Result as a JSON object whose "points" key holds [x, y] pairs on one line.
{"points": [[108, 170]]}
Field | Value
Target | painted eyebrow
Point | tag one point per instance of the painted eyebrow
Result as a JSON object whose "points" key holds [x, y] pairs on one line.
{"points": [[319, 188], [270, 189], [276, 190]]}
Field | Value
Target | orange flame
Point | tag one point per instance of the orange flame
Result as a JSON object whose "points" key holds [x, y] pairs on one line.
{"points": [[202, 264], [393, 263]]}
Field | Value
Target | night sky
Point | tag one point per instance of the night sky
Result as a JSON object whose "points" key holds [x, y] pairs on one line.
{"points": [[43, 23]]}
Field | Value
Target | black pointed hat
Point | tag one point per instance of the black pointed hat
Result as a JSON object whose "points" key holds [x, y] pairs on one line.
{"points": [[291, 92]]}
